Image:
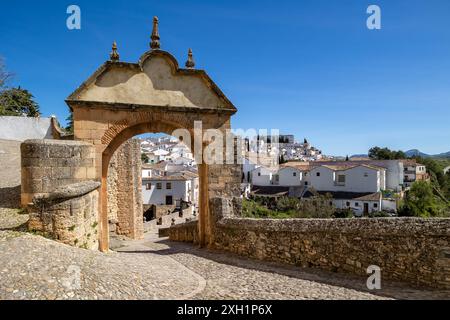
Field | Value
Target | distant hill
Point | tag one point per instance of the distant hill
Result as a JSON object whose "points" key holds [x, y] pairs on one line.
{"points": [[443, 155], [417, 153], [359, 156]]}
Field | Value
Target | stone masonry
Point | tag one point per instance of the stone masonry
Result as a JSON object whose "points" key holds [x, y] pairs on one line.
{"points": [[69, 215], [59, 192], [49, 164], [413, 250], [125, 211]]}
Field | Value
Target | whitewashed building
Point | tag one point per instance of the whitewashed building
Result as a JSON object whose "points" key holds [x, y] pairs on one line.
{"points": [[262, 176], [288, 177], [170, 189], [359, 178]]}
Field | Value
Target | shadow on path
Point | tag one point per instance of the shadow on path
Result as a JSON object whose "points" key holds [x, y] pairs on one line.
{"points": [[10, 197], [390, 289]]}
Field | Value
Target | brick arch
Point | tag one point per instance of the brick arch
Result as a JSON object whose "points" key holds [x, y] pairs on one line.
{"points": [[164, 120]]}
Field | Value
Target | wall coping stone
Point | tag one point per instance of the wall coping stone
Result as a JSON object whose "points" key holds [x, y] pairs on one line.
{"points": [[184, 225], [73, 190], [404, 226], [57, 142]]}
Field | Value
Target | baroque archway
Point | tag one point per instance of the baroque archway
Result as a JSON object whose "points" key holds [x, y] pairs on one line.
{"points": [[121, 100]]}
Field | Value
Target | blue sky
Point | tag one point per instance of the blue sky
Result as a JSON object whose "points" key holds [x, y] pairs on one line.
{"points": [[310, 68]]}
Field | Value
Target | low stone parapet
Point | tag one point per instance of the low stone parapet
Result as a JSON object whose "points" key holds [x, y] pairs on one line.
{"points": [[186, 232], [412, 250], [68, 215]]}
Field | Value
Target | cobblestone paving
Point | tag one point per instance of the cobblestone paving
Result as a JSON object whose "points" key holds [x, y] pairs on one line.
{"points": [[32, 267], [229, 276]]}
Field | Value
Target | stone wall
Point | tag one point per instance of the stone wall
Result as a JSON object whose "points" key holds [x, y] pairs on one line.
{"points": [[68, 215], [413, 250], [125, 210], [58, 190], [49, 164]]}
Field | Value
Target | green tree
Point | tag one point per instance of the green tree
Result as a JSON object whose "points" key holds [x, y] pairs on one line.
{"points": [[420, 201], [18, 102], [69, 126], [378, 153], [144, 158]]}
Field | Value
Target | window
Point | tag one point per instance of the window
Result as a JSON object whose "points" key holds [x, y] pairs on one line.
{"points": [[356, 204], [159, 185], [375, 205], [366, 174], [294, 174], [148, 186], [341, 178], [149, 173], [259, 174], [168, 185], [318, 174], [306, 183]]}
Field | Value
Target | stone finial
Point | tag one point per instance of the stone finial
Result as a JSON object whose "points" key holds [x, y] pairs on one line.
{"points": [[190, 64], [154, 44], [114, 55]]}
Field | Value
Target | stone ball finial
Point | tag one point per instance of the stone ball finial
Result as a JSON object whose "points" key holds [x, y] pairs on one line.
{"points": [[190, 64], [155, 44], [114, 55]]}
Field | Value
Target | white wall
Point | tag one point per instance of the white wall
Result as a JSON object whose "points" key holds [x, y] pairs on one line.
{"points": [[247, 168], [394, 173], [289, 177], [261, 177], [357, 205], [146, 173], [321, 179], [359, 179], [178, 191], [388, 204], [23, 128]]}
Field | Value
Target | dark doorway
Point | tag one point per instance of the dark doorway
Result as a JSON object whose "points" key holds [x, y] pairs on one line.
{"points": [[169, 200], [366, 208]]}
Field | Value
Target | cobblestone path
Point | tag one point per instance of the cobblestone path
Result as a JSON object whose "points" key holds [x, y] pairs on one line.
{"points": [[33, 267]]}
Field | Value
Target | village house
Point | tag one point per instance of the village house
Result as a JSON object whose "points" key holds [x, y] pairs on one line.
{"points": [[413, 171], [171, 190]]}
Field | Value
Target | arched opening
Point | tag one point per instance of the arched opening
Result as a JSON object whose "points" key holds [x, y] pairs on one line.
{"points": [[195, 186]]}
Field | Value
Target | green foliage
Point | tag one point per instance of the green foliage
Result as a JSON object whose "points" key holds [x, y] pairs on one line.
{"points": [[343, 213], [281, 159], [439, 180], [288, 207], [420, 201], [144, 158], [378, 153], [380, 214], [69, 126], [18, 102]]}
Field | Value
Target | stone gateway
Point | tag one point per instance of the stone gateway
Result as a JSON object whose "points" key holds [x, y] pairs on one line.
{"points": [[154, 95]]}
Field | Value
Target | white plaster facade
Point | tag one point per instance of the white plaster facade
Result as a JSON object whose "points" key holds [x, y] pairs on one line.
{"points": [[167, 190], [361, 179]]}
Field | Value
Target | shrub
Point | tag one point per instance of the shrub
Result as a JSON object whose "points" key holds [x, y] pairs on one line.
{"points": [[343, 213]]}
